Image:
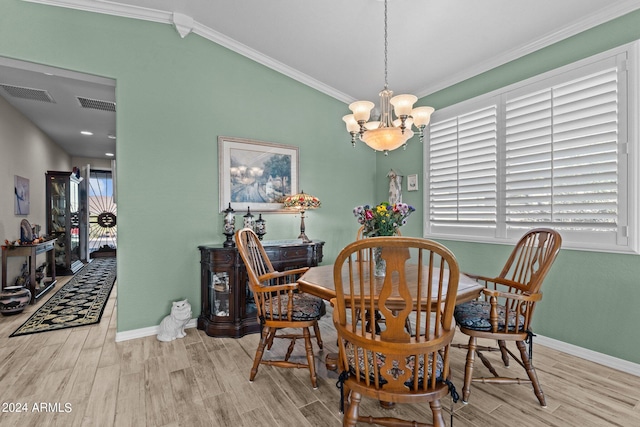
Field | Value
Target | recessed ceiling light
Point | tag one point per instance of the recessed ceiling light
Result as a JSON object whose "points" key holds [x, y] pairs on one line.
{"points": [[109, 154], [86, 132], [111, 136]]}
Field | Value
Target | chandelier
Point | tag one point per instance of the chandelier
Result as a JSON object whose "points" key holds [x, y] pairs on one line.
{"points": [[387, 134]]}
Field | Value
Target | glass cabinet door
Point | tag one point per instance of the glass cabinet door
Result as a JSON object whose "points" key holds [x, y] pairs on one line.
{"points": [[219, 293]]}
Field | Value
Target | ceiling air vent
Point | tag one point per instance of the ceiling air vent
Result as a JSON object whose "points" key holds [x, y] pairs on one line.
{"points": [[96, 104], [28, 93]]}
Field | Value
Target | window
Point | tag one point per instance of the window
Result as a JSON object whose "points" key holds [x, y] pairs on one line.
{"points": [[552, 151]]}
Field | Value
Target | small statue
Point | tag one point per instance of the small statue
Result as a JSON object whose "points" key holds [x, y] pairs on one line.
{"points": [[395, 187], [172, 326]]}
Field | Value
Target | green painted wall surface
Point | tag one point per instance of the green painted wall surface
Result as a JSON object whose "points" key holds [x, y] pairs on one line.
{"points": [[590, 299], [176, 96]]}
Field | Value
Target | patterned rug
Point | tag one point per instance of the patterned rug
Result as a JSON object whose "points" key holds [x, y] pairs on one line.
{"points": [[79, 302]]}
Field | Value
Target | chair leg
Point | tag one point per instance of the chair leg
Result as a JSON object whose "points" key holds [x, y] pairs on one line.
{"points": [[436, 410], [468, 370], [316, 330], [531, 372], [350, 417], [259, 352], [270, 338], [505, 354], [310, 359]]}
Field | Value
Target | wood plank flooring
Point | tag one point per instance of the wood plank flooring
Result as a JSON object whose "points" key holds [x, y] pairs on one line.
{"points": [[81, 377]]}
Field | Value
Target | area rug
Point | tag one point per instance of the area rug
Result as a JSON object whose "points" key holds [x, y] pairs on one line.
{"points": [[81, 301]]}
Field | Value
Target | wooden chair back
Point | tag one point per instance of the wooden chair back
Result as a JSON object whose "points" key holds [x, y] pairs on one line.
{"points": [[531, 259], [409, 366], [271, 289]]}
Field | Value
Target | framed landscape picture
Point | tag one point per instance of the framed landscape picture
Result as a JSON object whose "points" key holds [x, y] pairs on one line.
{"points": [[256, 174]]}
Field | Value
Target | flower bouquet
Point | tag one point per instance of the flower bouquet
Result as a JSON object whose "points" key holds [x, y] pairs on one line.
{"points": [[383, 219]]}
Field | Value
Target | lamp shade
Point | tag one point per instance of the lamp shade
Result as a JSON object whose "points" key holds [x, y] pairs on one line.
{"points": [[402, 104], [386, 138], [301, 201], [422, 115]]}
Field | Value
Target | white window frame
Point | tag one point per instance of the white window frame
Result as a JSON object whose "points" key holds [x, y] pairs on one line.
{"points": [[627, 237]]}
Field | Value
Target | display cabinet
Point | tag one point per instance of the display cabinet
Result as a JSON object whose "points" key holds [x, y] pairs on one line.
{"points": [[64, 214], [227, 305]]}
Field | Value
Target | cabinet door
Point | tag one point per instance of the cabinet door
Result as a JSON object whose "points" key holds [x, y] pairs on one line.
{"points": [[246, 301]]}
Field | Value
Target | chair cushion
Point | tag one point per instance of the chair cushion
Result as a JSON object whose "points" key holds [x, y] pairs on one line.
{"points": [[305, 307], [395, 371], [475, 315]]}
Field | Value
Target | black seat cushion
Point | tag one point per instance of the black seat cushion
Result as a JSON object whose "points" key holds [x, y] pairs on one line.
{"points": [[475, 315], [305, 307]]}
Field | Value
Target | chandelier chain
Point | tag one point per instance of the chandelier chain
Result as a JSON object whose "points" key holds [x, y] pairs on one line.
{"points": [[385, 45]]}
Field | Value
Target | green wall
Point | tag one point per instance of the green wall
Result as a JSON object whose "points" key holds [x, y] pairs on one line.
{"points": [[590, 299], [176, 96]]}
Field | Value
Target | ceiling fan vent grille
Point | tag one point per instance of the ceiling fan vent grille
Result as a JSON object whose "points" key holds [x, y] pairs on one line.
{"points": [[28, 93], [96, 104]]}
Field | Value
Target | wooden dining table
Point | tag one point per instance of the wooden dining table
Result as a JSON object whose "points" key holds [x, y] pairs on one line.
{"points": [[318, 281]]}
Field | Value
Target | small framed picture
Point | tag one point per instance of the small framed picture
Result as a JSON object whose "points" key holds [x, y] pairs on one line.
{"points": [[21, 191], [412, 182]]}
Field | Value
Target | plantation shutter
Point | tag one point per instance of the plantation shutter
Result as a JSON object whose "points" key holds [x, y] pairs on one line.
{"points": [[463, 173], [561, 156]]}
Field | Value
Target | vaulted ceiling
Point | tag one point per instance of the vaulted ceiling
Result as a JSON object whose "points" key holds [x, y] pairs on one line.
{"points": [[337, 46]]}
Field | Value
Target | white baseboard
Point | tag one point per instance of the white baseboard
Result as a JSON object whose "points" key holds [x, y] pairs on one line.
{"points": [[147, 332], [593, 356], [574, 350]]}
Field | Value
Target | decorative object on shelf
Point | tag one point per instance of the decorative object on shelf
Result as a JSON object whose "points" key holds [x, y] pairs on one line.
{"points": [[301, 202], [256, 174], [387, 134], [229, 226], [21, 191], [260, 227], [24, 279], [14, 299], [26, 232], [172, 326], [248, 221], [383, 219]]}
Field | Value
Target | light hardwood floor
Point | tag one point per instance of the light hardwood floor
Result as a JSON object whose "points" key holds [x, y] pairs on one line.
{"points": [[84, 378]]}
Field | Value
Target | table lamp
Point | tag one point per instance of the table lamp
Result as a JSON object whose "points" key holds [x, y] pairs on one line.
{"points": [[301, 202]]}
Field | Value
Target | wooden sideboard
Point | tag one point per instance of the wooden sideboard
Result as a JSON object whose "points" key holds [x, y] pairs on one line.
{"points": [[227, 305]]}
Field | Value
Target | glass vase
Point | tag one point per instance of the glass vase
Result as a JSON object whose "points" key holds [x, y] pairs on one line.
{"points": [[379, 264]]}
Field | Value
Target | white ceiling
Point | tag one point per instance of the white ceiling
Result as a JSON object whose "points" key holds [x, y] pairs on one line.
{"points": [[337, 46]]}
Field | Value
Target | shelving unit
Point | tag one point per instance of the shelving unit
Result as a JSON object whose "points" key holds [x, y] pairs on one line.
{"points": [[31, 251]]}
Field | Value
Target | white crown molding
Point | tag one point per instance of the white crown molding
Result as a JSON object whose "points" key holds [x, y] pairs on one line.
{"points": [[154, 15], [111, 8], [598, 18]]}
